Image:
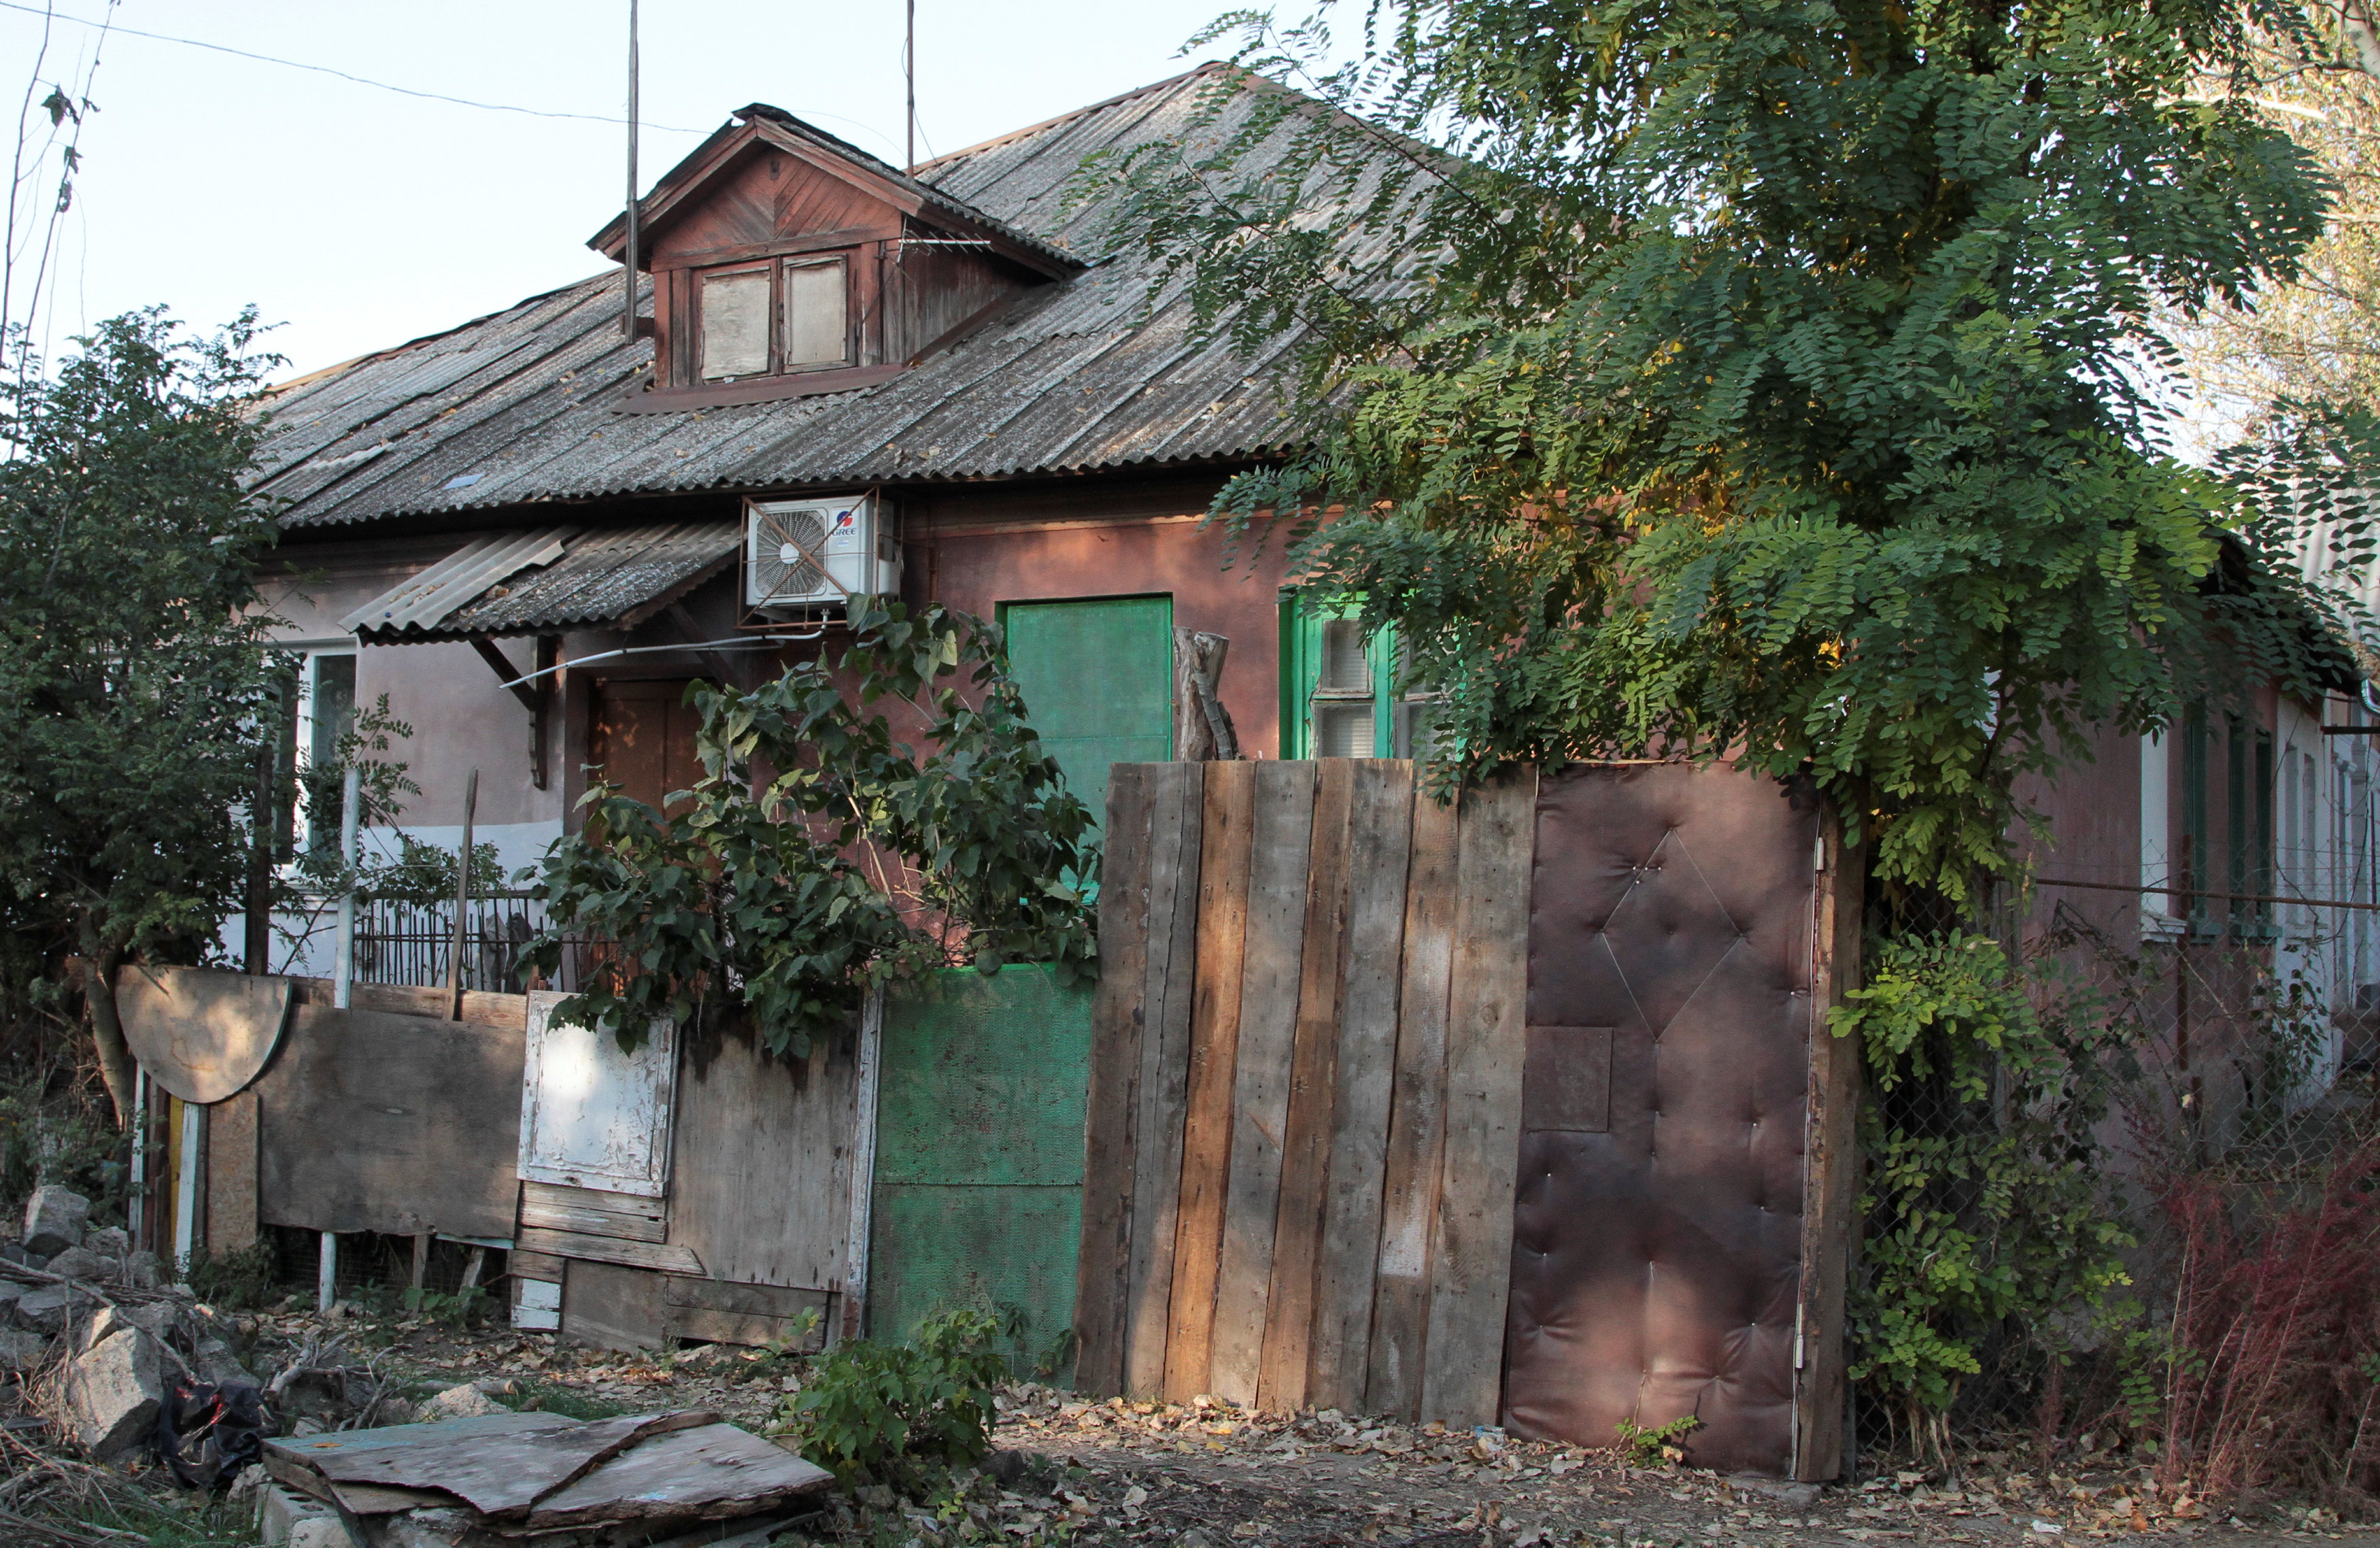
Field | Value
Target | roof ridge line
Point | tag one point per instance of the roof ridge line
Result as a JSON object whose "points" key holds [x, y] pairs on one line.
{"points": [[997, 141]]}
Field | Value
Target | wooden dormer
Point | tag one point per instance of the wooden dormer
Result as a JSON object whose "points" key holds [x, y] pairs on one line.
{"points": [[786, 262]]}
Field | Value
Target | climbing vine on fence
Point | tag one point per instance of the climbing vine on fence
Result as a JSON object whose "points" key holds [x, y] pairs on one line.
{"points": [[820, 853]]}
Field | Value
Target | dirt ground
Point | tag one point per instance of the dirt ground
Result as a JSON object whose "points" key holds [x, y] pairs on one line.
{"points": [[1209, 1475]]}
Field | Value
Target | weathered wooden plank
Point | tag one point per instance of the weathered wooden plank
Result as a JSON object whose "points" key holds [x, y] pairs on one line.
{"points": [[373, 1122], [1283, 828], [480, 1007], [1305, 1144], [1103, 1263], [669, 1258], [1379, 842], [1485, 1049], [613, 1306], [1829, 1218], [593, 1212], [1169, 973], [534, 1265], [760, 1188], [231, 1173], [1225, 852], [713, 1312], [1393, 1380]]}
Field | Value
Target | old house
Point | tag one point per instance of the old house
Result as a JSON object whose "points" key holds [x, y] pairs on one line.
{"points": [[1426, 1186]]}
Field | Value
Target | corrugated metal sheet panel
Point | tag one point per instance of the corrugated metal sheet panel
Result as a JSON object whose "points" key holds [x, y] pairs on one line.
{"points": [[1075, 377], [419, 602], [603, 579]]}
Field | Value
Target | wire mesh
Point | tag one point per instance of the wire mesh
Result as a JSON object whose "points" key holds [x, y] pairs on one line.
{"points": [[2236, 1034]]}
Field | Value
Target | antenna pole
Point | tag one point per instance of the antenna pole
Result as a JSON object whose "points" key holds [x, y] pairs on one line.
{"points": [[909, 69], [628, 282]]}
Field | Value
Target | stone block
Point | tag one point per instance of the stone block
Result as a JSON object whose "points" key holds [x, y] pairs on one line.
{"points": [[143, 1272], [81, 1262], [22, 1352], [54, 1217], [108, 1241], [111, 1391], [458, 1402], [45, 1309], [283, 1516]]}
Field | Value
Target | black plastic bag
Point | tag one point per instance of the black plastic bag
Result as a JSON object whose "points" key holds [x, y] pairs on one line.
{"points": [[208, 1434]]}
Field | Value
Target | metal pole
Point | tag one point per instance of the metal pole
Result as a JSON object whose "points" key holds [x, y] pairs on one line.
{"points": [[326, 1272], [628, 281], [462, 901], [342, 978], [909, 69]]}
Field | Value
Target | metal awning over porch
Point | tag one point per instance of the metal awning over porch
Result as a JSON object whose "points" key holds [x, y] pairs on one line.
{"points": [[548, 580]]}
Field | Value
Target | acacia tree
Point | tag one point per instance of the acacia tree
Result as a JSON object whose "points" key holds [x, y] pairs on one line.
{"points": [[1733, 374], [136, 689]]}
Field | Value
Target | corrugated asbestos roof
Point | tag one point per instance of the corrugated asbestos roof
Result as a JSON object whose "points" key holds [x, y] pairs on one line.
{"points": [[1086, 374], [545, 582], [417, 606]]}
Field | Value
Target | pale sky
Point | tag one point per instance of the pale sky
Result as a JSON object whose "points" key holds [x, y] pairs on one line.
{"points": [[360, 218]]}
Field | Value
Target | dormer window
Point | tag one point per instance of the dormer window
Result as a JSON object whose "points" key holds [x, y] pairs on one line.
{"points": [[787, 264], [791, 314]]}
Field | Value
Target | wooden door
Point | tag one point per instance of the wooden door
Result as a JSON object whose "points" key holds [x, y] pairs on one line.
{"points": [[643, 738]]}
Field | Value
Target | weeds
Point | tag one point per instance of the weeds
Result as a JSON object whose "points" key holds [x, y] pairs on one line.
{"points": [[551, 1397], [873, 1407], [462, 1309], [2275, 1335], [239, 1281], [1662, 1446]]}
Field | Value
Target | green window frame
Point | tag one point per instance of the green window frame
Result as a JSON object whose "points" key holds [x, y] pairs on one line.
{"points": [[1340, 695]]}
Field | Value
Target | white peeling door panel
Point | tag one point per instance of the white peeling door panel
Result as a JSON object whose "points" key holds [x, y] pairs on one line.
{"points": [[592, 1117]]}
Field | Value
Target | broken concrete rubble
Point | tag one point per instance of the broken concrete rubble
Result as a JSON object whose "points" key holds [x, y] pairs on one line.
{"points": [[109, 1393], [55, 1218]]}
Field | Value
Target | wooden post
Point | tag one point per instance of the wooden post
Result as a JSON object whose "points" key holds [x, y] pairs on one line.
{"points": [[142, 1239], [1830, 1178], [420, 1258], [462, 901], [344, 973], [262, 843], [854, 1310]]}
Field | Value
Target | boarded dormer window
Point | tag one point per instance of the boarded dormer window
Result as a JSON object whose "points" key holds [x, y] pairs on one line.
{"points": [[808, 300]]}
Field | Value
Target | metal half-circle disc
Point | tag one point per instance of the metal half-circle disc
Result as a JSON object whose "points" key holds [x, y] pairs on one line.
{"points": [[201, 1035]]}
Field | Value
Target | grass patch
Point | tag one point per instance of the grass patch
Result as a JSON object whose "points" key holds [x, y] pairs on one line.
{"points": [[550, 1398], [160, 1519]]}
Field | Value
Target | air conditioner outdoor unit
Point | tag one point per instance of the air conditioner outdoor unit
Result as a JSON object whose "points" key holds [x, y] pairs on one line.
{"points": [[811, 554]]}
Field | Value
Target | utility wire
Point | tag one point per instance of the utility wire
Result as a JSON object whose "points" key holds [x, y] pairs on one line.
{"points": [[325, 69]]}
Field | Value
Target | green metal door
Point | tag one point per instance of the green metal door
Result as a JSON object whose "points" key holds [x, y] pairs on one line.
{"points": [[1098, 679], [980, 1153]]}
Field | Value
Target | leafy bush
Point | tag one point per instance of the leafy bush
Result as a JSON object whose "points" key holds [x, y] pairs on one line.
{"points": [[873, 1406], [1984, 1199], [818, 855]]}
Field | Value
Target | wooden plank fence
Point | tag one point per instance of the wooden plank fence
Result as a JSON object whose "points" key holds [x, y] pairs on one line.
{"points": [[1306, 1088]]}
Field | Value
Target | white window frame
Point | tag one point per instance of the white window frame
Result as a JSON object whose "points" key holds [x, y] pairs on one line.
{"points": [[2158, 920], [302, 738]]}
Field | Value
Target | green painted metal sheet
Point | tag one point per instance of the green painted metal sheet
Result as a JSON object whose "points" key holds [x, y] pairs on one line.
{"points": [[983, 1083], [1098, 679]]}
